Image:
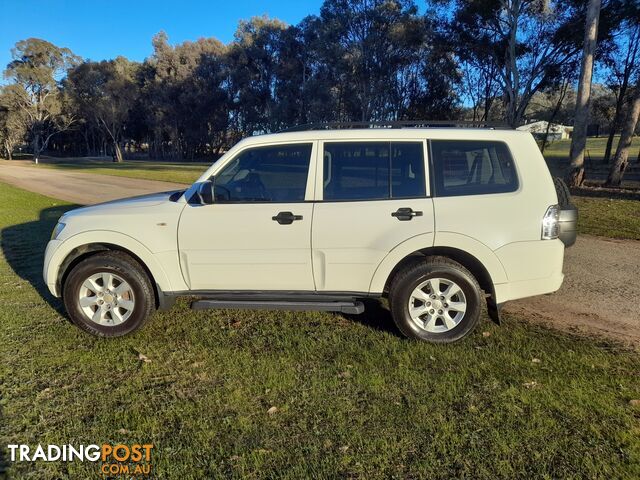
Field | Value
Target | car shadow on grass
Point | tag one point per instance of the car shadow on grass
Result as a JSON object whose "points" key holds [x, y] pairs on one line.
{"points": [[23, 246], [376, 315]]}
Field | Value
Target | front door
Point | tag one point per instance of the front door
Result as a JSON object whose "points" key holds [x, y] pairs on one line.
{"points": [[374, 197], [257, 233]]}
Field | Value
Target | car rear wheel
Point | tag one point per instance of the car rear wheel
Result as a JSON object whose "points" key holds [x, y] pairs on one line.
{"points": [[437, 300], [108, 295]]}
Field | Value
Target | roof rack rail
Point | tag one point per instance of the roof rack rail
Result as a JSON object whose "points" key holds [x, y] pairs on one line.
{"points": [[398, 124]]}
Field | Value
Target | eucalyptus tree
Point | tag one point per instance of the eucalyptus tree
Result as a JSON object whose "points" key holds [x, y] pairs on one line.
{"points": [[103, 93], [378, 61], [12, 124], [184, 96], [583, 100], [621, 158], [34, 72], [254, 58], [620, 67], [525, 42]]}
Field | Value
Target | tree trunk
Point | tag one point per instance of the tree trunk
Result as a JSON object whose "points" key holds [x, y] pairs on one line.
{"points": [[9, 147], [612, 133], [117, 152], [621, 159], [36, 147], [579, 140], [554, 114], [615, 124]]}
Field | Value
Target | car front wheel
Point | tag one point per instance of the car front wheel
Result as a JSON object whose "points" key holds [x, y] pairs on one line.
{"points": [[108, 295]]}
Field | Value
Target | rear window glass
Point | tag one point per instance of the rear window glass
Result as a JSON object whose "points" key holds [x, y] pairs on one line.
{"points": [[373, 170], [472, 168]]}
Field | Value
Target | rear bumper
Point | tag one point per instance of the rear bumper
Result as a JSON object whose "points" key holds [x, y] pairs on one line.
{"points": [[533, 268], [568, 225]]}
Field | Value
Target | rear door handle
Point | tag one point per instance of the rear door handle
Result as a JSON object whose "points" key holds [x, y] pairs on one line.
{"points": [[286, 218], [404, 214]]}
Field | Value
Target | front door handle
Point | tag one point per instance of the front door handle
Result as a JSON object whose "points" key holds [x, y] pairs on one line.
{"points": [[286, 218], [404, 214]]}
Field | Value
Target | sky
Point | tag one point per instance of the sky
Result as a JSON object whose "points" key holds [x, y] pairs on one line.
{"points": [[100, 29]]}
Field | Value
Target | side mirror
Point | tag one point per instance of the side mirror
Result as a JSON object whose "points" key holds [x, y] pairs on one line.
{"points": [[205, 193]]}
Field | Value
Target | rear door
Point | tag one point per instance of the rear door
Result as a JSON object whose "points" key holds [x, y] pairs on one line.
{"points": [[371, 196]]}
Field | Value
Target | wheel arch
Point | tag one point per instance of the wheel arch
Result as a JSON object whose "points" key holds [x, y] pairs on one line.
{"points": [[83, 252], [472, 254], [471, 263], [79, 248]]}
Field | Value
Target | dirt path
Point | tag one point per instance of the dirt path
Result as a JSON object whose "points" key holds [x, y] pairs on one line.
{"points": [[81, 188], [601, 291], [600, 295]]}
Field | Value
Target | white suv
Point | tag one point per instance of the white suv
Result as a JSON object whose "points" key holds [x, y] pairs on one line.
{"points": [[435, 219]]}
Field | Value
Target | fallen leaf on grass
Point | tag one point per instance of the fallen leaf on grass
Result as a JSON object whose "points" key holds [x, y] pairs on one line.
{"points": [[536, 360], [486, 334], [634, 403], [143, 358], [123, 431], [272, 410]]}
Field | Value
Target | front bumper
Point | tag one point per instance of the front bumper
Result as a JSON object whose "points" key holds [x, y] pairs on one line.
{"points": [[49, 269]]}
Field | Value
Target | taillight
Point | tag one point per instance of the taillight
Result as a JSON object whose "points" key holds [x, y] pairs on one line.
{"points": [[550, 223]]}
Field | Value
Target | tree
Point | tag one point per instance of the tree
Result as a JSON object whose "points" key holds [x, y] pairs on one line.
{"points": [[526, 42], [621, 158], [36, 66], [621, 64], [253, 60], [185, 97], [105, 92], [579, 139], [12, 125]]}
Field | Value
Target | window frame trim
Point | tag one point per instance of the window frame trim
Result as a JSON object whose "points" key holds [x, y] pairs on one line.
{"points": [[319, 187], [309, 191], [432, 179]]}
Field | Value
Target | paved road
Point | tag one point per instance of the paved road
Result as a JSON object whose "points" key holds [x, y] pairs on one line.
{"points": [[77, 187], [600, 295]]}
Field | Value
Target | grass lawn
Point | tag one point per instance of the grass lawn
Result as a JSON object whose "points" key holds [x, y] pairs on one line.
{"points": [[164, 171], [352, 398], [608, 217], [558, 152]]}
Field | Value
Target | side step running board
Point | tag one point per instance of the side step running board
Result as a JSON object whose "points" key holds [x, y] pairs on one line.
{"points": [[353, 307]]}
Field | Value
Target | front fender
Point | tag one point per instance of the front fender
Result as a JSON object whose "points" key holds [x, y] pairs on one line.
{"points": [[57, 251]]}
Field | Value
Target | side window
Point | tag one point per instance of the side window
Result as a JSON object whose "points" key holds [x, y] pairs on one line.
{"points": [[276, 174], [373, 170], [464, 167]]}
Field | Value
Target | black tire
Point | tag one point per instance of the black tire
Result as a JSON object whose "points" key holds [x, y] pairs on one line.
{"points": [[404, 283], [128, 269], [563, 192]]}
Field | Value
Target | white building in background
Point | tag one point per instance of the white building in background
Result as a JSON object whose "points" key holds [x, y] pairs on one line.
{"points": [[556, 131]]}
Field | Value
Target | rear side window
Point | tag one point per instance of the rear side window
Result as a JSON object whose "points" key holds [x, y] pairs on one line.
{"points": [[373, 170], [472, 168]]}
